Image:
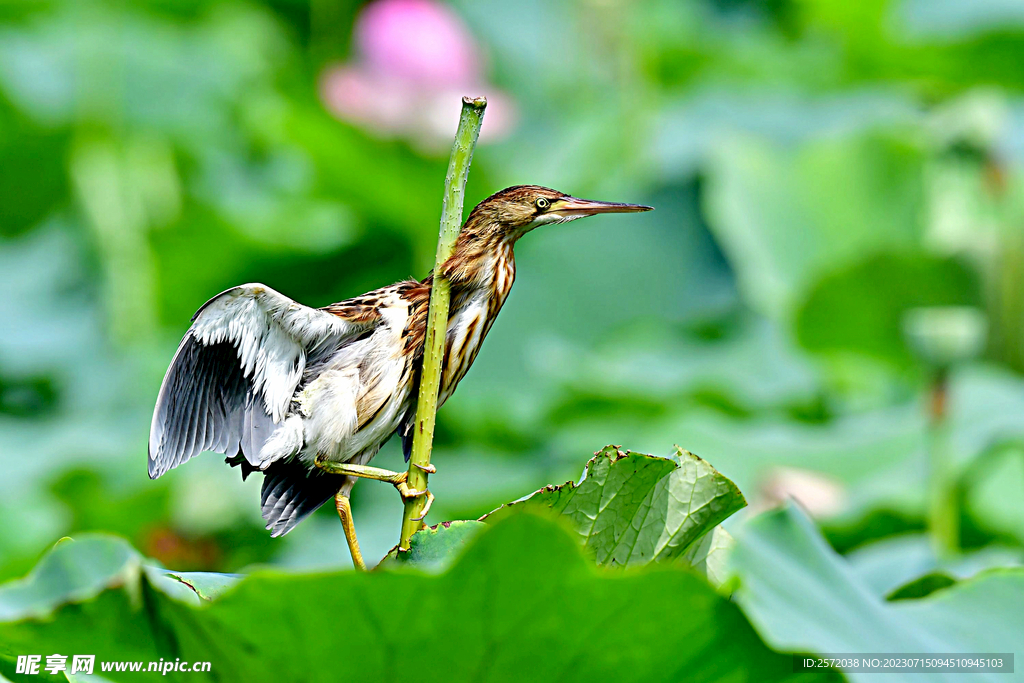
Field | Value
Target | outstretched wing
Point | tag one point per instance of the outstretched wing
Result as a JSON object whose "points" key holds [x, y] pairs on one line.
{"points": [[234, 374]]}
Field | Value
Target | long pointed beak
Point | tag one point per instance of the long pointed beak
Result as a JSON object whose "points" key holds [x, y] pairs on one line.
{"points": [[573, 206]]}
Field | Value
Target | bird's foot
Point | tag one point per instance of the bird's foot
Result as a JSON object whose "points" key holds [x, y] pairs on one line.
{"points": [[408, 493], [398, 479]]}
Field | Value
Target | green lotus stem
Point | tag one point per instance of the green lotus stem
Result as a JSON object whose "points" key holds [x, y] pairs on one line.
{"points": [[437, 318], [943, 497]]}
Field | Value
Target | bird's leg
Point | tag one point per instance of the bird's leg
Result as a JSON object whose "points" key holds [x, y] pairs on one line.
{"points": [[397, 479], [364, 471], [341, 502]]}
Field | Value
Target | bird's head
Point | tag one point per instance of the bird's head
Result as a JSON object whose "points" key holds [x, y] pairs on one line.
{"points": [[515, 211]]}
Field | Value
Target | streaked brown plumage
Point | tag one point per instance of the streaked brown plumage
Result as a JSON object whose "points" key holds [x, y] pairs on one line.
{"points": [[292, 391]]}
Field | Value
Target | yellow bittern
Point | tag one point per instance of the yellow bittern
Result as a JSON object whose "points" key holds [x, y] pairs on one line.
{"points": [[308, 396]]}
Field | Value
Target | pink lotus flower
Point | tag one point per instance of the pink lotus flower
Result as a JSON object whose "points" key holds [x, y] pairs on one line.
{"points": [[414, 61]]}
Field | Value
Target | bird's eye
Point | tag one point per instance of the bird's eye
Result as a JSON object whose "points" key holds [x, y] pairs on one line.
{"points": [[542, 203]]}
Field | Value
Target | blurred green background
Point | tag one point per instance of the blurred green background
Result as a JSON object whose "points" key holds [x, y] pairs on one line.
{"points": [[830, 179]]}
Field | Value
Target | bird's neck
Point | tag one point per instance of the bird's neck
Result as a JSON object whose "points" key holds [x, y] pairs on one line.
{"points": [[480, 267], [481, 276]]}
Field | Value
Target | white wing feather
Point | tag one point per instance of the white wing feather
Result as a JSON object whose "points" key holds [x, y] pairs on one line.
{"points": [[271, 334]]}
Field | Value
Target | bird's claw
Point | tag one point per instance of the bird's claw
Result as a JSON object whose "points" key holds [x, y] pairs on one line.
{"points": [[429, 469], [407, 493], [426, 507]]}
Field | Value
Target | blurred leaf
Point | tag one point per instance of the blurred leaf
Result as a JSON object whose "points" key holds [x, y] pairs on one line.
{"points": [[886, 565], [631, 508], [700, 123], [28, 396], [861, 307], [921, 587], [895, 42], [521, 603], [97, 504], [950, 20], [992, 491], [986, 411], [749, 367], [801, 596], [878, 456], [207, 585], [99, 586], [786, 217], [72, 572], [860, 527], [33, 181]]}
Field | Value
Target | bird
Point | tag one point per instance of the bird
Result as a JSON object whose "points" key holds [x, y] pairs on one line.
{"points": [[307, 396]]}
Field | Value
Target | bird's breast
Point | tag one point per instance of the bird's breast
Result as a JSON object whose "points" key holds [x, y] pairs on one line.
{"points": [[473, 312]]}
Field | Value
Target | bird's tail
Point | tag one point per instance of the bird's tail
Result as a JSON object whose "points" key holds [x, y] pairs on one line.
{"points": [[291, 492]]}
